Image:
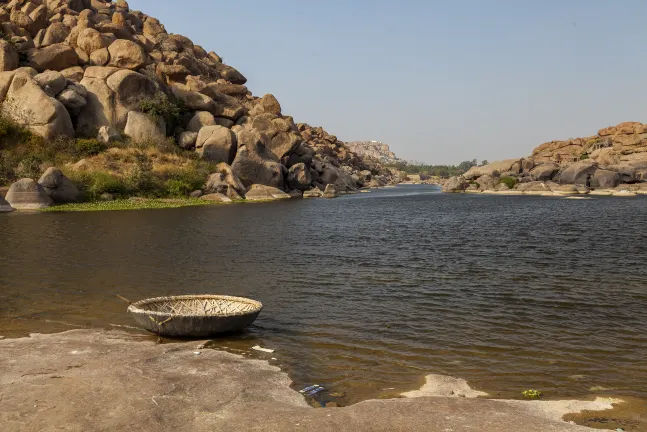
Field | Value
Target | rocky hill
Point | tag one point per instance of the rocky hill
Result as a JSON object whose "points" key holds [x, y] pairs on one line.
{"points": [[614, 160], [98, 70], [374, 150]]}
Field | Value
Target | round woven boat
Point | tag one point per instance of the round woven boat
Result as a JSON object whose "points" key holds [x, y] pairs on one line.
{"points": [[195, 316]]}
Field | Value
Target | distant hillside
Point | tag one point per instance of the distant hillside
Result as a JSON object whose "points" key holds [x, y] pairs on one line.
{"points": [[374, 150]]}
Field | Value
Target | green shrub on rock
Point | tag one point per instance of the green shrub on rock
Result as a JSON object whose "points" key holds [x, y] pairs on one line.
{"points": [[510, 182], [171, 109]]}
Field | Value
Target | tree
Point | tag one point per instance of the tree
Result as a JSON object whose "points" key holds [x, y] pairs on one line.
{"points": [[484, 162], [466, 165]]}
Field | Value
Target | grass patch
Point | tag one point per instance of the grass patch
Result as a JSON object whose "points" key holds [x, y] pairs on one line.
{"points": [[25, 154], [154, 169], [124, 204]]}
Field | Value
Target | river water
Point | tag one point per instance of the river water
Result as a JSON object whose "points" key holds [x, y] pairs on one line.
{"points": [[367, 294]]}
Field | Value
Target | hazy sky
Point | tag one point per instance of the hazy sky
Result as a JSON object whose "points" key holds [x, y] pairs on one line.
{"points": [[440, 81]]}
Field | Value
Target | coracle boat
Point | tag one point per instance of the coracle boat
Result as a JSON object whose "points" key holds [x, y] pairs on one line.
{"points": [[195, 316]]}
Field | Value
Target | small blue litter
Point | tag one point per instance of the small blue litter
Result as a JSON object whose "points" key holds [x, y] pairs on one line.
{"points": [[312, 387], [315, 391], [312, 390]]}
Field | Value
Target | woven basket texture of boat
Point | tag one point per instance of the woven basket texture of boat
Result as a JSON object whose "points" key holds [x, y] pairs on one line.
{"points": [[195, 316]]}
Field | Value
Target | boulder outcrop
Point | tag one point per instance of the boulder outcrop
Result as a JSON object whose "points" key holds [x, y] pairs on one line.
{"points": [[544, 172], [92, 67], [494, 169], [374, 150], [225, 182], [254, 163], [330, 192], [456, 184], [597, 164], [27, 104], [299, 177], [579, 173], [265, 193], [26, 194], [145, 128], [216, 144]]}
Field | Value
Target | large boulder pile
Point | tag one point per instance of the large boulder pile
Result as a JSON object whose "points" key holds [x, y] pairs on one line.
{"points": [[615, 158], [624, 143], [84, 67]]}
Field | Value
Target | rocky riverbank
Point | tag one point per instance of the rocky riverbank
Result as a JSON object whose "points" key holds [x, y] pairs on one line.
{"points": [[611, 163], [100, 102], [100, 380]]}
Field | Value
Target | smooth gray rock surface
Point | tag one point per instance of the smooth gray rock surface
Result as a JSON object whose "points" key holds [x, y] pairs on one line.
{"points": [[87, 380], [26, 194]]}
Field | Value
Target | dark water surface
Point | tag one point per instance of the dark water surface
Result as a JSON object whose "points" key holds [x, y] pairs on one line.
{"points": [[371, 291]]}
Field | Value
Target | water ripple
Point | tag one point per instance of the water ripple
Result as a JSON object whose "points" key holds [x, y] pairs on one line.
{"points": [[369, 291]]}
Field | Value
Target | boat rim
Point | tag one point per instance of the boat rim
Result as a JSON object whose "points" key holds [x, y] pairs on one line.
{"points": [[136, 307]]}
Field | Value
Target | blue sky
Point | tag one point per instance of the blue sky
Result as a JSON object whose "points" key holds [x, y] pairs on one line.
{"points": [[440, 81]]}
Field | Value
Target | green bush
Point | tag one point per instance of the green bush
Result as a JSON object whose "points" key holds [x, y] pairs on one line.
{"points": [[193, 175], [23, 153], [108, 183], [140, 179], [584, 156], [96, 183], [9, 129], [510, 182], [30, 166], [171, 109], [177, 188], [88, 147]]}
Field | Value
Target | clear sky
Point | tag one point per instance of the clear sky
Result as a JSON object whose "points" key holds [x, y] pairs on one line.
{"points": [[440, 81]]}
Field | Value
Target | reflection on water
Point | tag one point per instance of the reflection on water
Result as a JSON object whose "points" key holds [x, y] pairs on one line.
{"points": [[370, 291]]}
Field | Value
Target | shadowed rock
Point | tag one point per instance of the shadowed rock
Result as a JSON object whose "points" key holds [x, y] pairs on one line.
{"points": [[5, 207], [225, 182], [59, 188], [254, 163], [299, 177]]}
